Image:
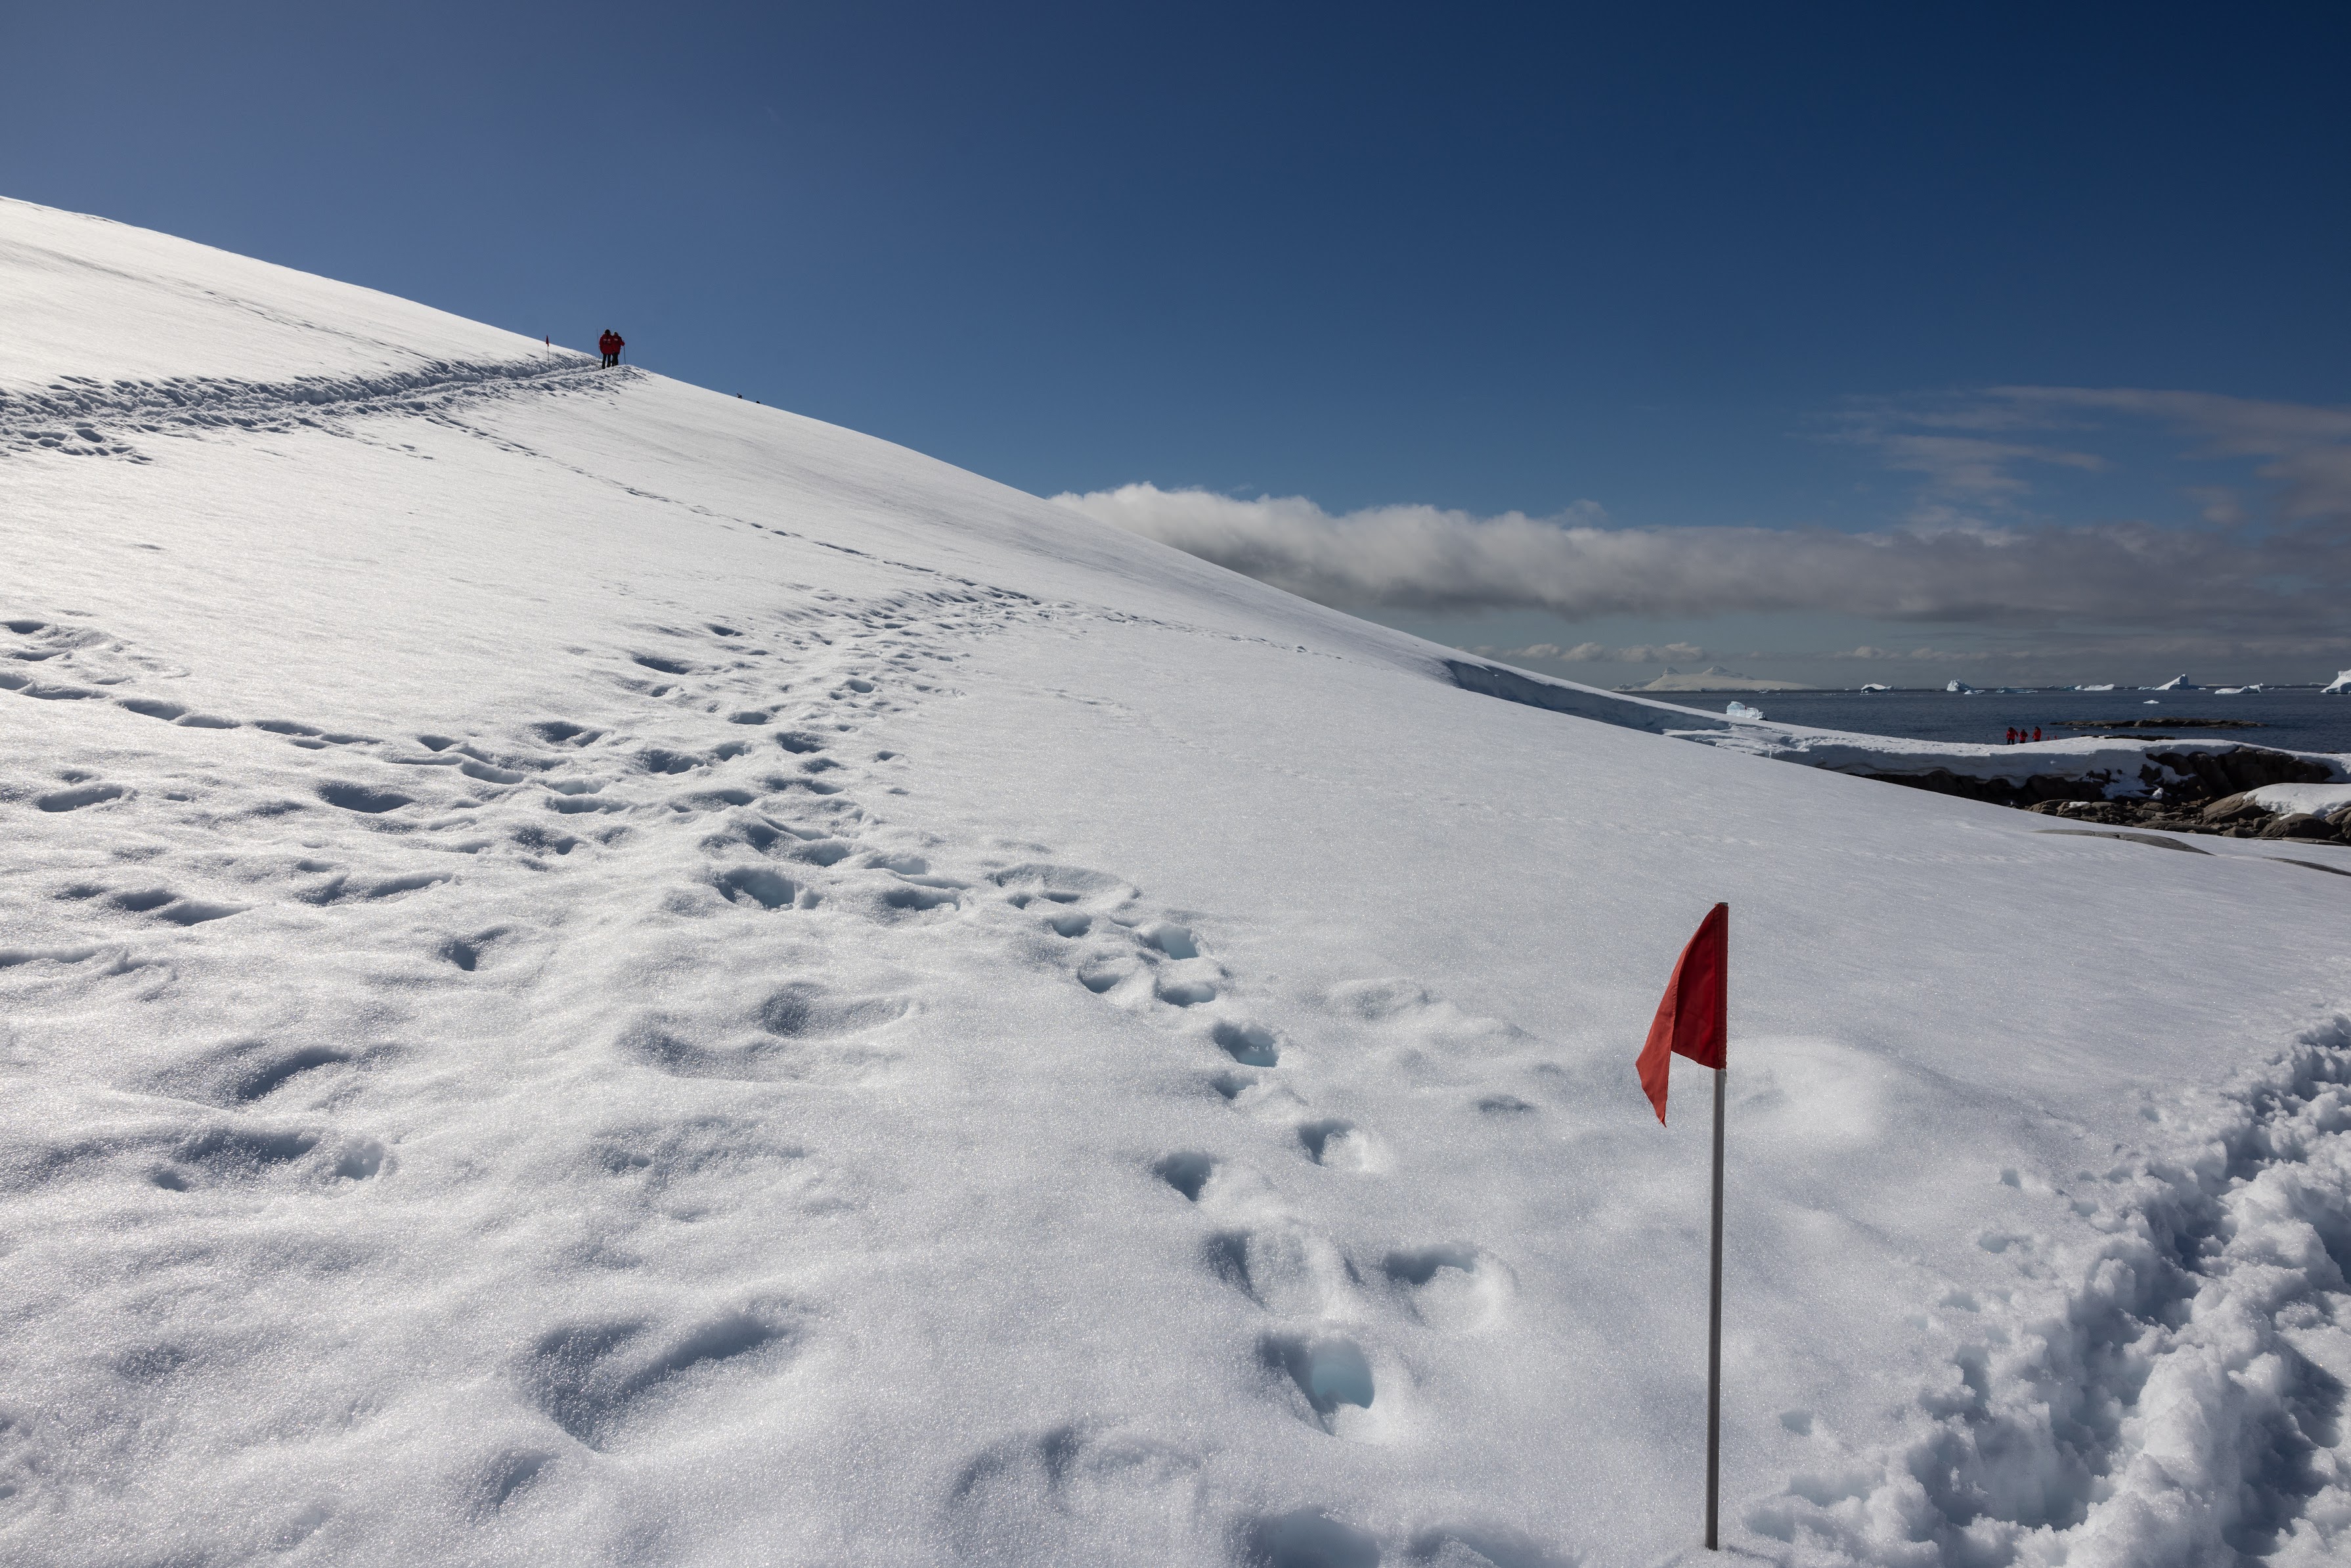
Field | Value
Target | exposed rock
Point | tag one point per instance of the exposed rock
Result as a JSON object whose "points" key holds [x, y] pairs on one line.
{"points": [[2242, 768], [2232, 817], [2177, 782], [2039, 789], [2237, 807]]}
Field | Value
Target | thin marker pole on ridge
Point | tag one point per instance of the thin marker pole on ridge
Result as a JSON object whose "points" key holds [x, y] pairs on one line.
{"points": [[1714, 1337], [1694, 1020]]}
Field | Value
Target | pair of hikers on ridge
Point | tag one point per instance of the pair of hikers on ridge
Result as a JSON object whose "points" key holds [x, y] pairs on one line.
{"points": [[610, 345]]}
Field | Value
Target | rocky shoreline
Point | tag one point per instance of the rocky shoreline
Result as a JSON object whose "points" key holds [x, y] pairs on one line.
{"points": [[2186, 792], [2174, 784], [2230, 816]]}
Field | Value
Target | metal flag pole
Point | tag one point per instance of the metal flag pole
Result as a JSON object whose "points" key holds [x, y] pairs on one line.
{"points": [[1713, 1310], [1714, 1338]]}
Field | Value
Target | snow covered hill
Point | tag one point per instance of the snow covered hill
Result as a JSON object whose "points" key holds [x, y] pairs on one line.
{"points": [[594, 973]]}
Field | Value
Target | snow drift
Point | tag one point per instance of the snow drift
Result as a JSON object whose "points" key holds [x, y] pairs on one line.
{"points": [[591, 972]]}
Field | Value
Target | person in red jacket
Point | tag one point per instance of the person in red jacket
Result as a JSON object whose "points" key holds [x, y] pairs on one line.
{"points": [[611, 344]]}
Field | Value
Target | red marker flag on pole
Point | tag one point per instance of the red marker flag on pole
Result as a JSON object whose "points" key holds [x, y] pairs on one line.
{"points": [[1693, 1019]]}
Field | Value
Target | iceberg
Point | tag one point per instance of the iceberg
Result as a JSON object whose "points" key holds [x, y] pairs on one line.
{"points": [[1963, 689], [2176, 684], [2341, 682]]}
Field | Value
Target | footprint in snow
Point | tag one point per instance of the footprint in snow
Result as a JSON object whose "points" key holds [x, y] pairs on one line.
{"points": [[1329, 1371], [1178, 991], [1311, 1538], [1453, 1286], [366, 800], [1247, 1043], [244, 1153], [764, 887], [79, 796], [1336, 1143], [1187, 1172], [241, 1072], [1032, 881], [802, 1032], [1055, 1496], [611, 1382], [467, 952], [165, 904]]}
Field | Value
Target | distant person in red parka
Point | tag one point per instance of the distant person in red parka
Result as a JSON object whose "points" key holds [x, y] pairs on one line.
{"points": [[611, 344]]}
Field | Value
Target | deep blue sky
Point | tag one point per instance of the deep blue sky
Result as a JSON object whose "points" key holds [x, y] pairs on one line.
{"points": [[1485, 258]]}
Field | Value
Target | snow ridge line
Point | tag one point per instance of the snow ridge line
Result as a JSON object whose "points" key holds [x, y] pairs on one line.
{"points": [[2181, 1402], [81, 417]]}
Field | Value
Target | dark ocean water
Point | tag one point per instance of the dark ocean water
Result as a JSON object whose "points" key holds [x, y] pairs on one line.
{"points": [[2301, 719]]}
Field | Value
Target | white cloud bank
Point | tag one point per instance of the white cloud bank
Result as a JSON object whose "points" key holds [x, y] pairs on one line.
{"points": [[1425, 559], [1995, 568]]}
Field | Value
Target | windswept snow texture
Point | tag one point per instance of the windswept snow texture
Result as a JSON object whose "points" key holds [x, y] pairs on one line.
{"points": [[592, 973]]}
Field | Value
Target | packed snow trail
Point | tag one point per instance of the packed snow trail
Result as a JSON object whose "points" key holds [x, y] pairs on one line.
{"points": [[590, 973], [2172, 1393], [75, 417]]}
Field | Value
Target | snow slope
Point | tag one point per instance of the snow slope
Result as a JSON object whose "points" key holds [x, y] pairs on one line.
{"points": [[594, 973]]}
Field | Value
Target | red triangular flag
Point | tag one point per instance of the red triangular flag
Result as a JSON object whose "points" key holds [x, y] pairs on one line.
{"points": [[1693, 1020]]}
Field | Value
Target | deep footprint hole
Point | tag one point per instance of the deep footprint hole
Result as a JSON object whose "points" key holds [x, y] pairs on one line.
{"points": [[1330, 1371], [759, 885], [1247, 1043], [362, 799], [267, 1078], [1175, 941], [1186, 1171], [1226, 1256], [1318, 1136], [1418, 1265], [1310, 1539]]}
